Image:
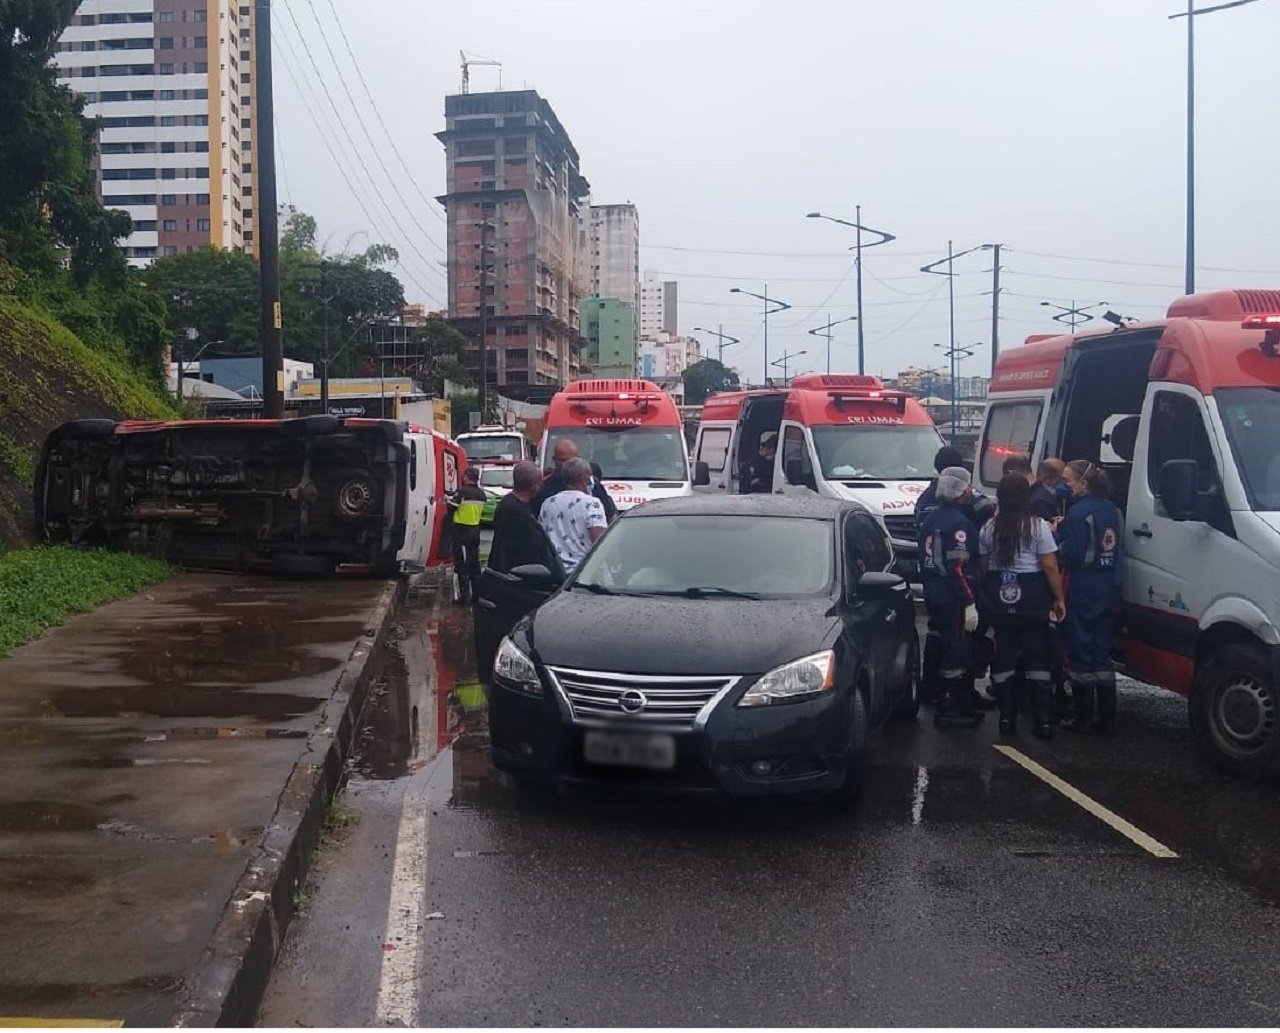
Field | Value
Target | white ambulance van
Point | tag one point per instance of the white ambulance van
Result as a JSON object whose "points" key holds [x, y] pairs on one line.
{"points": [[844, 436], [1184, 414]]}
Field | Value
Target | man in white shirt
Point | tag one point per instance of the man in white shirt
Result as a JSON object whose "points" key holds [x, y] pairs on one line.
{"points": [[573, 518]]}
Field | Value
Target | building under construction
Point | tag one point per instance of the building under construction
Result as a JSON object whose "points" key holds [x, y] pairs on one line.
{"points": [[517, 237]]}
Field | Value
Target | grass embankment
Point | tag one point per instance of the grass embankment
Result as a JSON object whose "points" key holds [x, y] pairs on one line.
{"points": [[39, 588], [49, 376]]}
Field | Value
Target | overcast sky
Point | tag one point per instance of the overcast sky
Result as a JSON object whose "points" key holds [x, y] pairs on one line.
{"points": [[1055, 127]]}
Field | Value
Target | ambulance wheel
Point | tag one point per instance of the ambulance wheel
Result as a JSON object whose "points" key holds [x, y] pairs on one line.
{"points": [[1235, 712], [355, 495], [908, 707]]}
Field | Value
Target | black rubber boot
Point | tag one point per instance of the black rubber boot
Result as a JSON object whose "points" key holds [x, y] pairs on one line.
{"points": [[932, 692], [1106, 718], [1041, 694], [1082, 707], [1061, 704], [954, 711], [1007, 699]]}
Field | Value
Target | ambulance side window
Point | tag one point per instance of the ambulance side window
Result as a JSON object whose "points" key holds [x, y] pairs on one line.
{"points": [[1011, 431], [795, 458], [1177, 432], [714, 448]]}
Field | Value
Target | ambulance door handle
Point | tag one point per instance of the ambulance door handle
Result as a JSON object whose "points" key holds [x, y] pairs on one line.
{"points": [[1142, 532]]}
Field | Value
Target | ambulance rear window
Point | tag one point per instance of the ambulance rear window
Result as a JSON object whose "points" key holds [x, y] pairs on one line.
{"points": [[1011, 431]]}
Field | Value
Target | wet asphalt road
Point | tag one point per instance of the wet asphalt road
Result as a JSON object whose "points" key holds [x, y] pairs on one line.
{"points": [[962, 891]]}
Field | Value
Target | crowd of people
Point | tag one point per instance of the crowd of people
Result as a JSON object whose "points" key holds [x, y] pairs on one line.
{"points": [[1027, 585]]}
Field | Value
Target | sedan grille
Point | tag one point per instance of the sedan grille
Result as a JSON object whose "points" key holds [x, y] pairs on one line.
{"points": [[654, 699], [901, 528]]}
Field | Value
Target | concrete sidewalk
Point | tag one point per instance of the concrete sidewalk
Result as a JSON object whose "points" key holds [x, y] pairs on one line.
{"points": [[164, 766]]}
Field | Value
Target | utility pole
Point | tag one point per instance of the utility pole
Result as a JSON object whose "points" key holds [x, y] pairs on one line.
{"points": [[268, 240], [324, 364], [725, 340], [825, 331], [484, 319], [995, 306]]}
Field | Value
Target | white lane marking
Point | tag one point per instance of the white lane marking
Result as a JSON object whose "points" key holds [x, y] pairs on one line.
{"points": [[399, 995], [917, 795], [1132, 832]]}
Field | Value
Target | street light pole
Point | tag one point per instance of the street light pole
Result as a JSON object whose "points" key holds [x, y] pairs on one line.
{"points": [[268, 237], [783, 363], [1073, 315], [817, 331], [955, 355], [782, 307], [858, 246], [726, 340], [1190, 14]]}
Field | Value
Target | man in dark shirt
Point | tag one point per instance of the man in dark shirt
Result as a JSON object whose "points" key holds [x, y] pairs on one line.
{"points": [[1046, 503], [518, 538], [554, 484]]}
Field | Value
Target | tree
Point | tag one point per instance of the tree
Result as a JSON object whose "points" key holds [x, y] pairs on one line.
{"points": [[706, 378], [212, 292]]}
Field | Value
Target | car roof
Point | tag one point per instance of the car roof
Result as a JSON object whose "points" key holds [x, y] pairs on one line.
{"points": [[808, 506]]}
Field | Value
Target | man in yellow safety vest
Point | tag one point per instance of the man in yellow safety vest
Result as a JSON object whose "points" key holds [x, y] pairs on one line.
{"points": [[467, 504]]}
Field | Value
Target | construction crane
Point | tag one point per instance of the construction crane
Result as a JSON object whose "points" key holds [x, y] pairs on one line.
{"points": [[467, 62]]}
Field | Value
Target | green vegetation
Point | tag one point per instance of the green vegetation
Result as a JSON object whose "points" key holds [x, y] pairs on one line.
{"points": [[706, 378], [39, 588]]}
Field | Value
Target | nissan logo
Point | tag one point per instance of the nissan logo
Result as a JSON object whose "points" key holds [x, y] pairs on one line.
{"points": [[632, 701]]}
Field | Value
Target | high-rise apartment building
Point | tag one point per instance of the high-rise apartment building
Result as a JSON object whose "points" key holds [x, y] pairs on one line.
{"points": [[172, 82], [517, 237], [615, 253], [609, 328], [659, 307]]}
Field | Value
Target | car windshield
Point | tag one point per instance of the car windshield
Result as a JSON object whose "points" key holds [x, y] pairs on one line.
{"points": [[630, 454], [710, 554], [495, 476], [1252, 418], [863, 453], [499, 446]]}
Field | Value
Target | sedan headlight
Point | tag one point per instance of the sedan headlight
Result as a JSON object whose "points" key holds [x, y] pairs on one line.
{"points": [[801, 679], [516, 669]]}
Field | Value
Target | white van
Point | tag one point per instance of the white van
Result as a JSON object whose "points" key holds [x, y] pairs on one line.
{"points": [[844, 436], [1184, 414]]}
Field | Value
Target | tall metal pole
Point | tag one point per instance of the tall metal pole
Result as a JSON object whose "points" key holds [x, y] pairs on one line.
{"points": [[1191, 149], [765, 383], [324, 366], [484, 320], [951, 305], [857, 261], [829, 335], [268, 239], [995, 307]]}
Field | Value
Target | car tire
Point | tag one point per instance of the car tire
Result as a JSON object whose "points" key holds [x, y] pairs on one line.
{"points": [[312, 426], [91, 430], [908, 705], [1234, 710], [355, 494], [856, 758]]}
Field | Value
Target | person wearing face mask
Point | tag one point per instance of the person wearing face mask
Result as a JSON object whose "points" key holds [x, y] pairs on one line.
{"points": [[599, 491], [1089, 540]]}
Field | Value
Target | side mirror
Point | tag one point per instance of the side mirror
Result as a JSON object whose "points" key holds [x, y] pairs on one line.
{"points": [[534, 573], [1177, 483], [880, 584], [701, 474], [794, 472]]}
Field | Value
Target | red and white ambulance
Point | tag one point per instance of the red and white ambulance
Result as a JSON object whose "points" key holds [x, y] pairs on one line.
{"points": [[844, 436], [631, 428], [1184, 414], [310, 496]]}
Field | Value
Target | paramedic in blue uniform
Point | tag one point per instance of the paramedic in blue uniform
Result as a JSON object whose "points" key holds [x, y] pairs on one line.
{"points": [[978, 508], [1022, 589], [1089, 540], [947, 543]]}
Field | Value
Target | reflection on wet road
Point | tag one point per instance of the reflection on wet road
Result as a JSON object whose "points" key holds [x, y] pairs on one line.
{"points": [[964, 890]]}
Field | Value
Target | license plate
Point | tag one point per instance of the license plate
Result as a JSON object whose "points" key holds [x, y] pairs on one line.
{"points": [[619, 749]]}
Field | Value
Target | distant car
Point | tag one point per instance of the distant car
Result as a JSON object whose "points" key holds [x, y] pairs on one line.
{"points": [[740, 644], [496, 482]]}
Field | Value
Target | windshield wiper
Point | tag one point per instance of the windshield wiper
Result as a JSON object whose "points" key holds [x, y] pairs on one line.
{"points": [[591, 587], [700, 592]]}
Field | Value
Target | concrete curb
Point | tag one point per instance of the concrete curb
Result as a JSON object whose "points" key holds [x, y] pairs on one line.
{"points": [[229, 981]]}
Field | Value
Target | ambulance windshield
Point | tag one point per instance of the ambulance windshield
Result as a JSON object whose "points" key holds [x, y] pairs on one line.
{"points": [[630, 454], [869, 453], [1252, 418]]}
